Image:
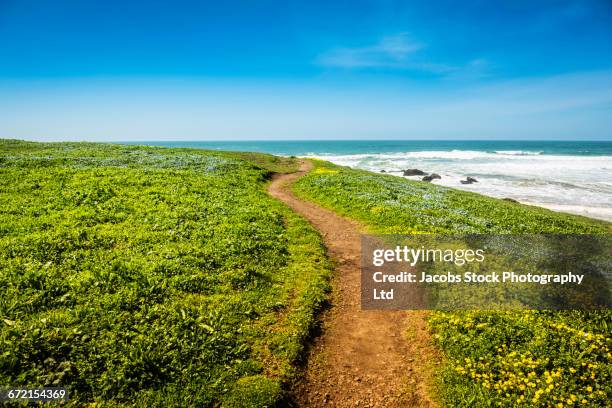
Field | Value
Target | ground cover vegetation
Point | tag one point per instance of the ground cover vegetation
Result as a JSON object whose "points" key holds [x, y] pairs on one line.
{"points": [[153, 277]]}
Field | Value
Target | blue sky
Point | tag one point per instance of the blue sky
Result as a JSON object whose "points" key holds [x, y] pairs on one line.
{"points": [[181, 70]]}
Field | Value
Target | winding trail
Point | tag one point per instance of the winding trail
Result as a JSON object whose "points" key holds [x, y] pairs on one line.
{"points": [[362, 358]]}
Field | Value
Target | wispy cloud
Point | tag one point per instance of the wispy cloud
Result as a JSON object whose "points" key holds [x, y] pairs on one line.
{"points": [[393, 52]]}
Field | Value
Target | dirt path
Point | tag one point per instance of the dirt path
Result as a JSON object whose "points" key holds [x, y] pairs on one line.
{"points": [[363, 358]]}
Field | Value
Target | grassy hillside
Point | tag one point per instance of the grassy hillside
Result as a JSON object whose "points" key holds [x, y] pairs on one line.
{"points": [[163, 277], [533, 358]]}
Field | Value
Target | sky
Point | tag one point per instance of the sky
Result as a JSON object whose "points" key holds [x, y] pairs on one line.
{"points": [[241, 70]]}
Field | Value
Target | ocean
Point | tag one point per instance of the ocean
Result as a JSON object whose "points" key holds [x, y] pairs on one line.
{"points": [[568, 176]]}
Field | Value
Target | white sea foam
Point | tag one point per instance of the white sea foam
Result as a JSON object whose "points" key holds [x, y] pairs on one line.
{"points": [[518, 152], [574, 184]]}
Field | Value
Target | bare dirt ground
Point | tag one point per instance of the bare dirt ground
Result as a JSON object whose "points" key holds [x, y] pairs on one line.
{"points": [[362, 358]]}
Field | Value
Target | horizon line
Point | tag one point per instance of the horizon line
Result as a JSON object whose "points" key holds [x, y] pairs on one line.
{"points": [[304, 140]]}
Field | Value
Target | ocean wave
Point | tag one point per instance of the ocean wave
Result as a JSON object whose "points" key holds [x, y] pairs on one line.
{"points": [[518, 152], [463, 156], [433, 154]]}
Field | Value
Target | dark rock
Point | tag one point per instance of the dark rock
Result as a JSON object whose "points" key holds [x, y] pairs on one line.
{"points": [[512, 200], [432, 176], [414, 172], [469, 180], [382, 171]]}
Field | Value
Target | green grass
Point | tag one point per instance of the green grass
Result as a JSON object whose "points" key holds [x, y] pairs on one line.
{"points": [[532, 358], [152, 276]]}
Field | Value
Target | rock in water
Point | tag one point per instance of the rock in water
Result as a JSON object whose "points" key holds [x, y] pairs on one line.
{"points": [[432, 176], [414, 172], [469, 180]]}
